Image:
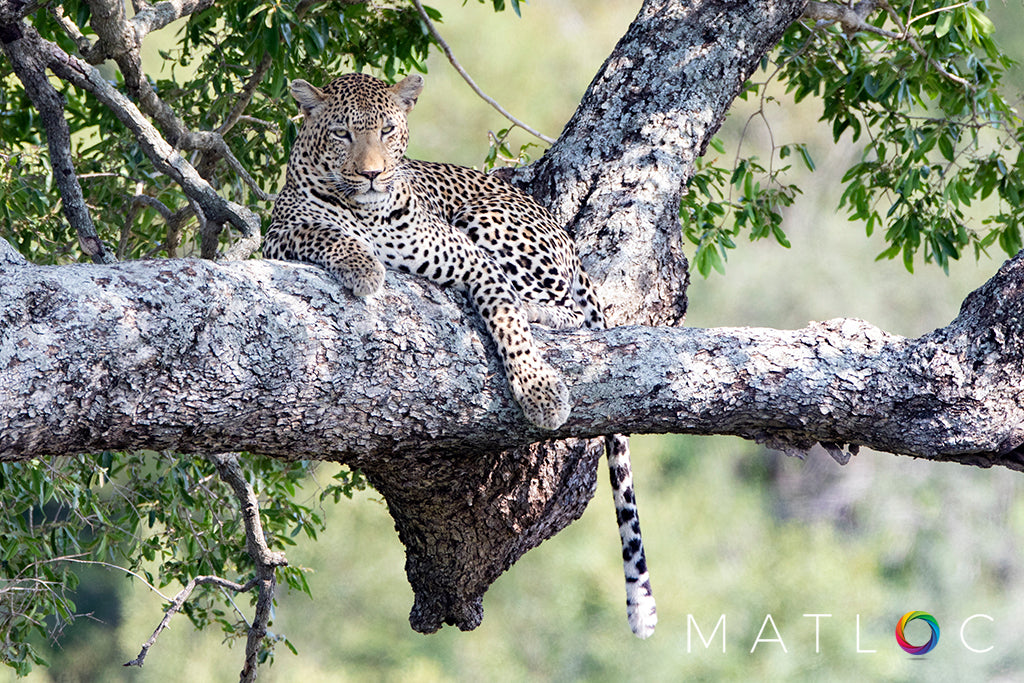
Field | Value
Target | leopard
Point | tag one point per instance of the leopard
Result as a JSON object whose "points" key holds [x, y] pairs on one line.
{"points": [[354, 204]]}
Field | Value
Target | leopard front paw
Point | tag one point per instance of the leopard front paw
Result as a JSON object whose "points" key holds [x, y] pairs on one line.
{"points": [[541, 394], [364, 281], [556, 317]]}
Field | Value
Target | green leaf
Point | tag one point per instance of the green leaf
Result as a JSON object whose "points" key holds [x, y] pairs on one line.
{"points": [[982, 25]]}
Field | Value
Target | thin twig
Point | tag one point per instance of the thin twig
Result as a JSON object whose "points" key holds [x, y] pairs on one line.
{"points": [[853, 21], [108, 565], [469, 81], [937, 10], [179, 601]]}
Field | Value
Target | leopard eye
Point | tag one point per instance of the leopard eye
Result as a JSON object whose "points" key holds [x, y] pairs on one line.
{"points": [[341, 134], [387, 130]]}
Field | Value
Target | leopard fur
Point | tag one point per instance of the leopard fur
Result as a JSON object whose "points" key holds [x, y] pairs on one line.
{"points": [[353, 204]]}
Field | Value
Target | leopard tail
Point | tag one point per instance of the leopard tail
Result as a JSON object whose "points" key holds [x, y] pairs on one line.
{"points": [[640, 607]]}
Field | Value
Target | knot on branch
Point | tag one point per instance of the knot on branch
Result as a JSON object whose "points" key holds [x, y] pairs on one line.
{"points": [[465, 518]]}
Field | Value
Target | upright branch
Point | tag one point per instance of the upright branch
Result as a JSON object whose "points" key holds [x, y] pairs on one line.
{"points": [[23, 49], [120, 40], [617, 173], [264, 582]]}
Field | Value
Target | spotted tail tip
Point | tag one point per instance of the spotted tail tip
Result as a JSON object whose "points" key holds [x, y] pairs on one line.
{"points": [[642, 613]]}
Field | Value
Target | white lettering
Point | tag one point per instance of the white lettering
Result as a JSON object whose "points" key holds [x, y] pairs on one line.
{"points": [[817, 630], [777, 639], [860, 651], [964, 626], [690, 621]]}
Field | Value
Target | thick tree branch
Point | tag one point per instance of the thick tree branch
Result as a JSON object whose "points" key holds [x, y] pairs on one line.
{"points": [[617, 173], [276, 358]]}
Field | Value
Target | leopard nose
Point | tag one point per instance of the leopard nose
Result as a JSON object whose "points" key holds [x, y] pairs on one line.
{"points": [[370, 173]]}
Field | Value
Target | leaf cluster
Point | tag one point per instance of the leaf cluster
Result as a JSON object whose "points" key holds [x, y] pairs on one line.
{"points": [[164, 518], [720, 205], [919, 88]]}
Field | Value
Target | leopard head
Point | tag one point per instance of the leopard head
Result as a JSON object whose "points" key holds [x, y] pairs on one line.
{"points": [[353, 136]]}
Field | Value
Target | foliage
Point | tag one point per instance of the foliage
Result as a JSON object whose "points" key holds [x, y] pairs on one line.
{"points": [[937, 137], [209, 66], [165, 518], [500, 151]]}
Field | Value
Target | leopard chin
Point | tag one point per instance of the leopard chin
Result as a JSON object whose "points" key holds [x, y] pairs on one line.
{"points": [[371, 197]]}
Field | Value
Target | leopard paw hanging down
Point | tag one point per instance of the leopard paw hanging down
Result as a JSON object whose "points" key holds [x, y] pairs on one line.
{"points": [[353, 204]]}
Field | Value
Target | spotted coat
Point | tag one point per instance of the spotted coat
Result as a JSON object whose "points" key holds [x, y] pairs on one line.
{"points": [[353, 204]]}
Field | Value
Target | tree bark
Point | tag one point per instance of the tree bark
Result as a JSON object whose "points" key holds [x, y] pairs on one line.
{"points": [[617, 173], [193, 356]]}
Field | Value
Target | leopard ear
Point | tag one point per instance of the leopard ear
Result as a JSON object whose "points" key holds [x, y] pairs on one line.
{"points": [[407, 90], [308, 96]]}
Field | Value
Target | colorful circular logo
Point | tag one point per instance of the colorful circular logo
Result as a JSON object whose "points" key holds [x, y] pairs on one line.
{"points": [[917, 649]]}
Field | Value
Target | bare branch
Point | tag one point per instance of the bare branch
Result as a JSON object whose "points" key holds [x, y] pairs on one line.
{"points": [[469, 81], [256, 543], [167, 160], [246, 94], [155, 17], [179, 601], [265, 559], [213, 144], [71, 29], [266, 562], [173, 219], [108, 565]]}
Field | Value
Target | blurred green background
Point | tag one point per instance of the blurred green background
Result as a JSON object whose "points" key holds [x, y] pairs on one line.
{"points": [[731, 529]]}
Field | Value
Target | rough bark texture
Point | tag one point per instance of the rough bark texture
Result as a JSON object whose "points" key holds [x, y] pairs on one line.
{"points": [[617, 173], [201, 357], [197, 357]]}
